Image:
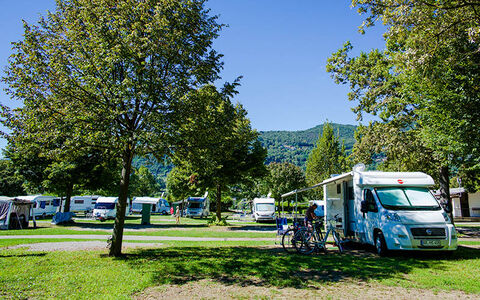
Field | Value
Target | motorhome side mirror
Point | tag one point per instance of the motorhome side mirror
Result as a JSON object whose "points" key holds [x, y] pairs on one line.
{"points": [[364, 206]]}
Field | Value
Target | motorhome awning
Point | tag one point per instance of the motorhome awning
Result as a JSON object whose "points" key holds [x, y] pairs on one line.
{"points": [[146, 200], [326, 181]]}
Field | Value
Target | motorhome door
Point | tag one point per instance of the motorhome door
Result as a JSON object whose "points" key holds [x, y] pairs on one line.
{"points": [[371, 216]]}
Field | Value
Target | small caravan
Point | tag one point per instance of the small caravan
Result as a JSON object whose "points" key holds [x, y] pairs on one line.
{"points": [[44, 205], [390, 210], [15, 213], [83, 203], [263, 209], [159, 205], [197, 206], [106, 208]]}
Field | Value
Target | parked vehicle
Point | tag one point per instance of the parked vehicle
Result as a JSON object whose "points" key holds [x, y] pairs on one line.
{"points": [[390, 210], [83, 203], [15, 213], [106, 208], [263, 209], [159, 205], [44, 205], [197, 206]]}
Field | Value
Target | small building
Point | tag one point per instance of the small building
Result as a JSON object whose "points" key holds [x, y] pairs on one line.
{"points": [[465, 205]]}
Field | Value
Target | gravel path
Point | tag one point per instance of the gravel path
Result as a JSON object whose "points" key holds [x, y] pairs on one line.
{"points": [[132, 238], [75, 246]]}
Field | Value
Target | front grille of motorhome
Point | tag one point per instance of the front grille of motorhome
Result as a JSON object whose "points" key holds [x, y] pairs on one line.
{"points": [[428, 232]]}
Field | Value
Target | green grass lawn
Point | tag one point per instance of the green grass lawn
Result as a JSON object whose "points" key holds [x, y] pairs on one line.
{"points": [[218, 232], [91, 274]]}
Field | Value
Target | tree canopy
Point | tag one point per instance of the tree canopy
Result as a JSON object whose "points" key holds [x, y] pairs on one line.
{"points": [[108, 75]]}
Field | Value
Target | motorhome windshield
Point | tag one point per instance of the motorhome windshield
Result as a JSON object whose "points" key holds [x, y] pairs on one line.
{"points": [[407, 198], [104, 205], [194, 205], [265, 207]]}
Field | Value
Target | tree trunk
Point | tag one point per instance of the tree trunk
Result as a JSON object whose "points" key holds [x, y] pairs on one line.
{"points": [[68, 197], [444, 182], [219, 202], [117, 236]]}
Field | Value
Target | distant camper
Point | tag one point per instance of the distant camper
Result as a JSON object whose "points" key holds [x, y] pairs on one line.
{"points": [[197, 206], [44, 205], [106, 208], [263, 209], [84, 204], [159, 205]]}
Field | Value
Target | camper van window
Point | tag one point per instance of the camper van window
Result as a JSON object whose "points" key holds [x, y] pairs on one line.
{"points": [[408, 198], [104, 205], [194, 205], [368, 197], [265, 207], [78, 201]]}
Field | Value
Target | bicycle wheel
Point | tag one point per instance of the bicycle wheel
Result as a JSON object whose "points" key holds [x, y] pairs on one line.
{"points": [[338, 242], [288, 241], [304, 241]]}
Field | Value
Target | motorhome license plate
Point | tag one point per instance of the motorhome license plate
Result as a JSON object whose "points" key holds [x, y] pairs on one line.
{"points": [[430, 243]]}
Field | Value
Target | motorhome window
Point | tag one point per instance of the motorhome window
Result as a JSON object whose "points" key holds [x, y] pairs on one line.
{"points": [[408, 198], [78, 201], [339, 189], [104, 205], [265, 207], [194, 205], [368, 197]]}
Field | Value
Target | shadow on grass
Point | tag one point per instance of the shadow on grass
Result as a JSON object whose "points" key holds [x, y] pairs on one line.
{"points": [[272, 267], [92, 225], [23, 255], [251, 227]]}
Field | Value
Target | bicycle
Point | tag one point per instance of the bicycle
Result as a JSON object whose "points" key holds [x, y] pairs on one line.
{"points": [[308, 240]]}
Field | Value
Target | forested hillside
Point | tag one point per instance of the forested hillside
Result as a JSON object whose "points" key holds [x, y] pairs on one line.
{"points": [[294, 146], [289, 146]]}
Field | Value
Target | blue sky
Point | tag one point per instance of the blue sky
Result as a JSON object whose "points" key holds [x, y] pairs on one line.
{"points": [[279, 47]]}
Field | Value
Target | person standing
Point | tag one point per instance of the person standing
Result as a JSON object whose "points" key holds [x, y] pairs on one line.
{"points": [[171, 210], [177, 215]]}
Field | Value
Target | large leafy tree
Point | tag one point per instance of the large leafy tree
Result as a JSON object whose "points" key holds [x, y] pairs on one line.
{"points": [[143, 183], [11, 183], [107, 74], [423, 86], [327, 158], [225, 150], [282, 178]]}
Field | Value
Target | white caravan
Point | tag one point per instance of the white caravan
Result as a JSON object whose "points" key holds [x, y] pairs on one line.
{"points": [[197, 206], [106, 208], [159, 205], [83, 203], [263, 209], [44, 205]]}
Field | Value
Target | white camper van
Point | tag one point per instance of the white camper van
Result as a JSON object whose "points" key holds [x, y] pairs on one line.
{"points": [[263, 209], [106, 208], [197, 206], [83, 203], [44, 205], [159, 205], [390, 210]]}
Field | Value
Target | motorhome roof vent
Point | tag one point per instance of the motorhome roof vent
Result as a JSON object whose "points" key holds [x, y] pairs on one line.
{"points": [[359, 167]]}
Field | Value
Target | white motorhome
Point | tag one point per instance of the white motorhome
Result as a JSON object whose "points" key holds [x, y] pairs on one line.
{"points": [[159, 205], [44, 205], [390, 210], [197, 206], [106, 208], [263, 209], [83, 203]]}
